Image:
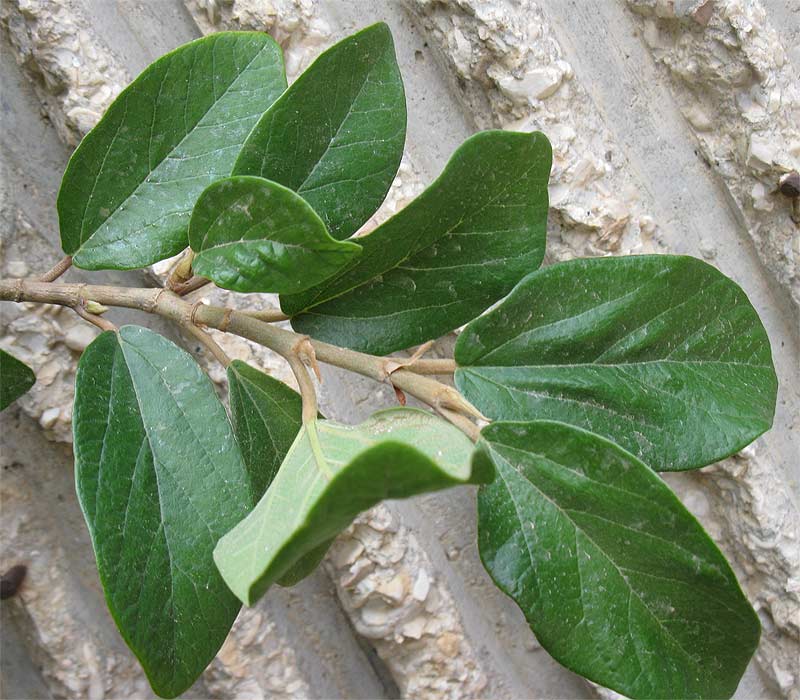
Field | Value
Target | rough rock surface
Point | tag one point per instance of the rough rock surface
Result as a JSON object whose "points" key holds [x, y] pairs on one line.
{"points": [[511, 73], [737, 88], [78, 75], [395, 599]]}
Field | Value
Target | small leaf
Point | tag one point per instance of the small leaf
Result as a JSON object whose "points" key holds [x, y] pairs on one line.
{"points": [[160, 479], [662, 354], [130, 186], [617, 579], [449, 255], [266, 417], [254, 235], [331, 474], [336, 135], [15, 379]]}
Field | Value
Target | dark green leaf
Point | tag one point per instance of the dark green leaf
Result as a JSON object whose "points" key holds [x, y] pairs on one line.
{"points": [[266, 417], [130, 186], [254, 235], [331, 474], [662, 354], [336, 135], [616, 578], [15, 379], [438, 263], [160, 479]]}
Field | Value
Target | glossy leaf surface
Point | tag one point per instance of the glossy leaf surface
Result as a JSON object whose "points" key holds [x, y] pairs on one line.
{"points": [[450, 254], [266, 417], [160, 479], [15, 379], [332, 473], [617, 579], [663, 355], [129, 188], [336, 135], [253, 235]]}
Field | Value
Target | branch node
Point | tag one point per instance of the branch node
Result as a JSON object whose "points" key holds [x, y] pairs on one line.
{"points": [[226, 320], [305, 351], [193, 321], [392, 364], [99, 321]]}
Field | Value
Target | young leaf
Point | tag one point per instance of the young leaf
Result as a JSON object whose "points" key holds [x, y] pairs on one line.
{"points": [[336, 135], [331, 474], [254, 235], [661, 354], [160, 479], [617, 579], [266, 417], [450, 254], [15, 379], [130, 186]]}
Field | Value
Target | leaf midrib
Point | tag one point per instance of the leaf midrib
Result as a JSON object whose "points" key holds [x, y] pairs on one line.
{"points": [[165, 157], [577, 527], [413, 249]]}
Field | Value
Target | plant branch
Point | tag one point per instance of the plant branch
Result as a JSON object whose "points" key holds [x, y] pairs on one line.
{"points": [[181, 271], [307, 390], [57, 270], [464, 424], [86, 315], [433, 366], [191, 285], [268, 315], [167, 304], [208, 342]]}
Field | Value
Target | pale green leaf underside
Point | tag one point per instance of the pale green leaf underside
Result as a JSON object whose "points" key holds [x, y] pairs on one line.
{"points": [[160, 479], [15, 379], [450, 254], [336, 135], [661, 354], [332, 473], [129, 188], [617, 579], [253, 235]]}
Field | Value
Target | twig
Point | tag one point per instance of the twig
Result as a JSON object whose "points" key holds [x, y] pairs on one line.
{"points": [[307, 390], [181, 271], [169, 305], [268, 315], [433, 366], [208, 342], [464, 424], [57, 270], [192, 285], [99, 321]]}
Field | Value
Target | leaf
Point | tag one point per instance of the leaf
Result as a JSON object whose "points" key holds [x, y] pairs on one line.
{"points": [[266, 417], [130, 186], [160, 479], [616, 578], [450, 254], [336, 135], [331, 474], [661, 354], [253, 235], [15, 379]]}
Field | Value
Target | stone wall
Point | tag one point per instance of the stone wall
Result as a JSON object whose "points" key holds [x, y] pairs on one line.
{"points": [[672, 122]]}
